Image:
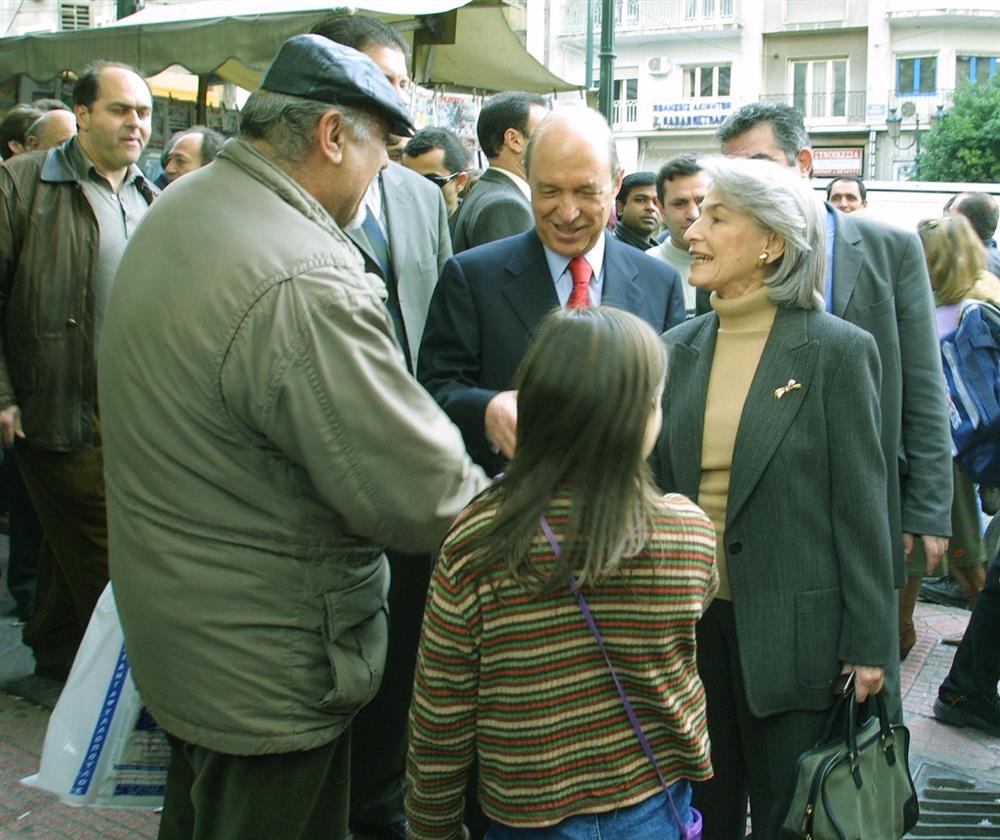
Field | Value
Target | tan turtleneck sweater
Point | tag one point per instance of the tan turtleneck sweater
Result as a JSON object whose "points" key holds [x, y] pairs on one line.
{"points": [[744, 325]]}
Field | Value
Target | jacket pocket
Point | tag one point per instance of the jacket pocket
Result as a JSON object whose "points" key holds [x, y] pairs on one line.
{"points": [[355, 630], [818, 616]]}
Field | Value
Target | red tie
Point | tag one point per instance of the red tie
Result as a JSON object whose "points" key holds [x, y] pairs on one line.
{"points": [[580, 296]]}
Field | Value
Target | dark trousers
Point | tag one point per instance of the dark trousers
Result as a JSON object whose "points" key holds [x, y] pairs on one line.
{"points": [[378, 734], [291, 796], [752, 757], [67, 489], [25, 538], [975, 669]]}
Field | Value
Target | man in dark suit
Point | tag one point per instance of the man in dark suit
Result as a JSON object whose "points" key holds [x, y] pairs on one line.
{"points": [[402, 233], [490, 299], [877, 279], [499, 204]]}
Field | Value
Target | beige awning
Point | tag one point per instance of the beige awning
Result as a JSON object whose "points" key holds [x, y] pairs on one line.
{"points": [[212, 37]]}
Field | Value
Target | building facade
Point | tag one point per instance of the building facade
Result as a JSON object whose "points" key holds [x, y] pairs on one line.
{"points": [[854, 68]]}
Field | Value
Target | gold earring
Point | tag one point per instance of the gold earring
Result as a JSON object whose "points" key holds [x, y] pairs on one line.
{"points": [[762, 258]]}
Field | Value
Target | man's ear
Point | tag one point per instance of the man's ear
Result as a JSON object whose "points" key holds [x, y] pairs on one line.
{"points": [[514, 140], [460, 182], [804, 159], [82, 113], [619, 207], [617, 185], [331, 135]]}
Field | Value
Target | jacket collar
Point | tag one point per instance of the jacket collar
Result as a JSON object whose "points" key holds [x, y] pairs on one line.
{"points": [[259, 166], [59, 168], [788, 354], [848, 260]]}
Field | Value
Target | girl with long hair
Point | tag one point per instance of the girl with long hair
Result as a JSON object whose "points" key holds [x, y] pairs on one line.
{"points": [[508, 672]]}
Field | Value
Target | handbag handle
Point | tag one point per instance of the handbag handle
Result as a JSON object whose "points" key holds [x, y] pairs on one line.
{"points": [[592, 624], [847, 706]]}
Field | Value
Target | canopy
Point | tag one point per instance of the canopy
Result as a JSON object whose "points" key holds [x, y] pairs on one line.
{"points": [[237, 40]]}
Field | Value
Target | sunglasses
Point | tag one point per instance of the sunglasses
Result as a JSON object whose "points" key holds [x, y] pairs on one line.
{"points": [[441, 180]]}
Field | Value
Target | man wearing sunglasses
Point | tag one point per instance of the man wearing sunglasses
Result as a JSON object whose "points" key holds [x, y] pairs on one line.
{"points": [[440, 156]]}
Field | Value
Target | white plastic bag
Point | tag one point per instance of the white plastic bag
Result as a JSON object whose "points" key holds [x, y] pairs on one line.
{"points": [[101, 746]]}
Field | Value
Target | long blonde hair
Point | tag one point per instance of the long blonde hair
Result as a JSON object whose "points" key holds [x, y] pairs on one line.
{"points": [[955, 257]]}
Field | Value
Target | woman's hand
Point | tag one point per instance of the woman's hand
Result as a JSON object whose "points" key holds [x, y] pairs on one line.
{"points": [[868, 679]]}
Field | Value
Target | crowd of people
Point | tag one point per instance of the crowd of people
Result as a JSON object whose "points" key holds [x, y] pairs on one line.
{"points": [[380, 457]]}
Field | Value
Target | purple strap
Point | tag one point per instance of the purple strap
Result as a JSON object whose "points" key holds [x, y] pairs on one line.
{"points": [[592, 624]]}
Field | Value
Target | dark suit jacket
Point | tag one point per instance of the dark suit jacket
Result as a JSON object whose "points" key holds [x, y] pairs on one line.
{"points": [[494, 209], [880, 283], [416, 219], [487, 306], [807, 541]]}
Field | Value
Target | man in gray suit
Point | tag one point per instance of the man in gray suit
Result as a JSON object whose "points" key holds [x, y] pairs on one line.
{"points": [[402, 231], [499, 205], [877, 279]]}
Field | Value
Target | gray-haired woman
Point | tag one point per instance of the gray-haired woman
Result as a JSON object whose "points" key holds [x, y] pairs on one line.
{"points": [[771, 423]]}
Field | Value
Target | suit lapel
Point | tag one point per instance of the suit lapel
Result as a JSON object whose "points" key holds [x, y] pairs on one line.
{"points": [[530, 290], [788, 355], [848, 259], [397, 203], [685, 394], [620, 289]]}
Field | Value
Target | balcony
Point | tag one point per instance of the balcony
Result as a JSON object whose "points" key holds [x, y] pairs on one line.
{"points": [[646, 19], [925, 105], [825, 109], [912, 13], [625, 113]]}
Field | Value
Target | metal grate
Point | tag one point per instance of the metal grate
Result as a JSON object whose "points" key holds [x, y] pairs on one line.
{"points": [[956, 806]]}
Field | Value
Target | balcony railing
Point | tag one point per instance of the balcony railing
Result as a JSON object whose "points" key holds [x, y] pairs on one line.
{"points": [[833, 106], [925, 105], [625, 112], [650, 14]]}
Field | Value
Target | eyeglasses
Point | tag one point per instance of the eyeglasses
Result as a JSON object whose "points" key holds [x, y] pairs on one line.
{"points": [[441, 180]]}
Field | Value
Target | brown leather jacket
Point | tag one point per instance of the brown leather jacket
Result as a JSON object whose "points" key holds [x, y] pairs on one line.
{"points": [[48, 250]]}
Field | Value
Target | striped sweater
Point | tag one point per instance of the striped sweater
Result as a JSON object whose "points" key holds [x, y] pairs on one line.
{"points": [[518, 680]]}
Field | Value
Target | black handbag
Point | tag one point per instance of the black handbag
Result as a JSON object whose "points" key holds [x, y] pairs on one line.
{"points": [[855, 785]]}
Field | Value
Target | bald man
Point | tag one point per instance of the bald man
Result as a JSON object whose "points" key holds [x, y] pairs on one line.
{"points": [[468, 358], [53, 128]]}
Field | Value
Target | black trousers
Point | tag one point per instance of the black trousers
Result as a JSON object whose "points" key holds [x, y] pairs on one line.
{"points": [[378, 734], [25, 537], [753, 758], [975, 669], [67, 489], [291, 796]]}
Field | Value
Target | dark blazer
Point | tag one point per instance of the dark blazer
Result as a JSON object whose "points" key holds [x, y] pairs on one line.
{"points": [[487, 306], [880, 283], [494, 209], [807, 541], [416, 219]]}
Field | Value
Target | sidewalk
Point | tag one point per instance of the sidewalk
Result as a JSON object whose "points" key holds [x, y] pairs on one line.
{"points": [[936, 750]]}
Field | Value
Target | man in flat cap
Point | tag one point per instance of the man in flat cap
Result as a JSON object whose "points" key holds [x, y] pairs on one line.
{"points": [[263, 442]]}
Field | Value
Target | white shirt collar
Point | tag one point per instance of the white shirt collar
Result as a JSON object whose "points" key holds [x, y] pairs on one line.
{"points": [[522, 185]]}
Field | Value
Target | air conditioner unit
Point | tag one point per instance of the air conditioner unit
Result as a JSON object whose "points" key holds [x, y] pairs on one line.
{"points": [[658, 65]]}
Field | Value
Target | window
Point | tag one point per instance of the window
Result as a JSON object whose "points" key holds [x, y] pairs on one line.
{"points": [[707, 80], [975, 68], [626, 104], [74, 16], [916, 75], [819, 88]]}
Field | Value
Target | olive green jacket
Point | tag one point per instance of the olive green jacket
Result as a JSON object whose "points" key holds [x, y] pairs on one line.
{"points": [[263, 440]]}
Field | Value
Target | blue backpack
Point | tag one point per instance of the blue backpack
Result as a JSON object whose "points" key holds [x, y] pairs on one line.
{"points": [[971, 356]]}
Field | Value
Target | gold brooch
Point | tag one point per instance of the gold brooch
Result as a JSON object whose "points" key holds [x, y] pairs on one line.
{"points": [[791, 385]]}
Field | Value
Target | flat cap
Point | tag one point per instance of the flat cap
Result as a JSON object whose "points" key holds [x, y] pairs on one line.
{"points": [[317, 68]]}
